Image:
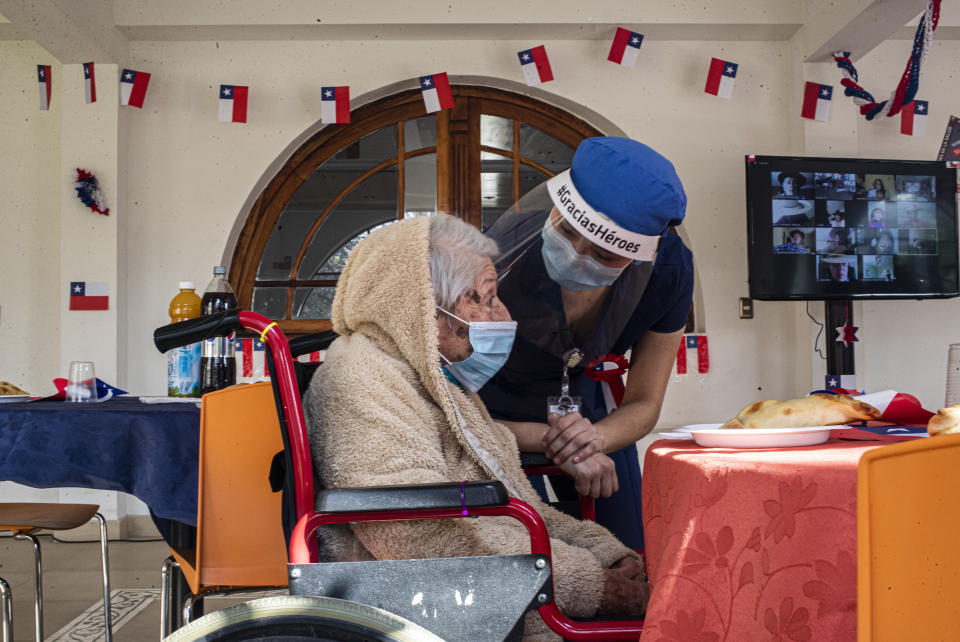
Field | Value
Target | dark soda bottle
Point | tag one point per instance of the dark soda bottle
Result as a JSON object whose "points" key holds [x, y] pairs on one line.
{"points": [[218, 365]]}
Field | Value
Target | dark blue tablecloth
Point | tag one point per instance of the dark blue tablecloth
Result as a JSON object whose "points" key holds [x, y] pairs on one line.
{"points": [[147, 450]]}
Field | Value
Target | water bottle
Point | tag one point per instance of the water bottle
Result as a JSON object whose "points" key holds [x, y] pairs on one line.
{"points": [[218, 367], [183, 363]]}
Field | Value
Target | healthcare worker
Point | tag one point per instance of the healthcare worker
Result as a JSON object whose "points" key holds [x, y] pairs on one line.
{"points": [[591, 270]]}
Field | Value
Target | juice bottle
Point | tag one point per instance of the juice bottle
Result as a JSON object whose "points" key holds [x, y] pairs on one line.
{"points": [[183, 363], [218, 364]]}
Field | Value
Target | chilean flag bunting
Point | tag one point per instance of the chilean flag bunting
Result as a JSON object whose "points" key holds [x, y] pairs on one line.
{"points": [[535, 65], [436, 92], [233, 104], [816, 101], [693, 350], [89, 84], [721, 77], [625, 47], [133, 87], [913, 118], [335, 105], [46, 84]]}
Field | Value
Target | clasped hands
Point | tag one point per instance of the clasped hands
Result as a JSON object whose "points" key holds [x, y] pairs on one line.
{"points": [[576, 447]]}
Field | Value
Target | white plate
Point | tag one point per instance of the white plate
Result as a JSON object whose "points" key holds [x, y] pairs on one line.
{"points": [[13, 398], [710, 435]]}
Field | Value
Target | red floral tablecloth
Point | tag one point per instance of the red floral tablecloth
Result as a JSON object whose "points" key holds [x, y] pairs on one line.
{"points": [[751, 544]]}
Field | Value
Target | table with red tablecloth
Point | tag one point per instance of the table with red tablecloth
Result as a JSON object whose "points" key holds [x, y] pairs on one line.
{"points": [[751, 544]]}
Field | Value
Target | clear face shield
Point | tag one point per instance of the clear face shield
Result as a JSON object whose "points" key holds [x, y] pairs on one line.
{"points": [[542, 273]]}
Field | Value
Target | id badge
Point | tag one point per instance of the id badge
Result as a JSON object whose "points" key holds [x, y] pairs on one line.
{"points": [[563, 404]]}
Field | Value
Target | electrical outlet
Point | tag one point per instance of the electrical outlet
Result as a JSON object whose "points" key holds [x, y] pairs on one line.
{"points": [[746, 308]]}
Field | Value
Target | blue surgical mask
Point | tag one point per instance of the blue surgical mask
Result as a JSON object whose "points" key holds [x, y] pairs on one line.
{"points": [[491, 342], [570, 269]]}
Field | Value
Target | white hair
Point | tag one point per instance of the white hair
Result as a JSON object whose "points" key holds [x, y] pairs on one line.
{"points": [[457, 256]]}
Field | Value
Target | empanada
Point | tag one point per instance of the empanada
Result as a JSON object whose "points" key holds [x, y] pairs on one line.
{"points": [[10, 389], [945, 422], [819, 409]]}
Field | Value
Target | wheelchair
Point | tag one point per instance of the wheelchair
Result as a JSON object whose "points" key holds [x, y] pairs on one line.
{"points": [[480, 599]]}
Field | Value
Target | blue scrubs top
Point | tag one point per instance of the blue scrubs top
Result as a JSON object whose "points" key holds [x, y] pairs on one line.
{"points": [[519, 391]]}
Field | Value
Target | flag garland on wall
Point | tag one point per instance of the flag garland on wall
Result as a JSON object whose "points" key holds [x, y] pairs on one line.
{"points": [[88, 191], [910, 80]]}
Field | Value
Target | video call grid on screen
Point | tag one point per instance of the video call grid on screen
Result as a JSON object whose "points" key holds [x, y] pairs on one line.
{"points": [[841, 234]]}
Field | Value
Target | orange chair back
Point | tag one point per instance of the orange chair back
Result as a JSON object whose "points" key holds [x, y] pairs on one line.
{"points": [[908, 560], [240, 539]]}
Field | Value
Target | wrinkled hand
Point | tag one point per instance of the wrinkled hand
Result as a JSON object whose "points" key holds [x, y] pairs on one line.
{"points": [[624, 591], [596, 476], [573, 437]]}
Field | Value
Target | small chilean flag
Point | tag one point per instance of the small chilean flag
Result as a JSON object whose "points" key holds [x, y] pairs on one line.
{"points": [[89, 295], [46, 84], [251, 361], [233, 104], [89, 84], [133, 87], [436, 92], [535, 65], [720, 78], [625, 47], [816, 101], [913, 118], [693, 346], [335, 105]]}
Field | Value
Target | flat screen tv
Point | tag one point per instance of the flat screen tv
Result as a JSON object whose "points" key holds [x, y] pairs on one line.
{"points": [[841, 228]]}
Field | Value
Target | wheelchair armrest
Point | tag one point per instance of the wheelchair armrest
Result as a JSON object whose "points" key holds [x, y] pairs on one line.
{"points": [[423, 496], [535, 459]]}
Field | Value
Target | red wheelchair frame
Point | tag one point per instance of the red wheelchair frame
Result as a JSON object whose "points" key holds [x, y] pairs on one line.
{"points": [[303, 543]]}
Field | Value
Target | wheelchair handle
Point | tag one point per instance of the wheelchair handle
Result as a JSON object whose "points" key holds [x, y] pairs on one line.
{"points": [[311, 343], [184, 333]]}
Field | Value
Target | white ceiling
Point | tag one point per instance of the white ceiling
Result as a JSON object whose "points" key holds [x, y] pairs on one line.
{"points": [[79, 30]]}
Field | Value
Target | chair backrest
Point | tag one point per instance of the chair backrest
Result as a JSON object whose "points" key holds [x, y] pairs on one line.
{"points": [[240, 538], [908, 561]]}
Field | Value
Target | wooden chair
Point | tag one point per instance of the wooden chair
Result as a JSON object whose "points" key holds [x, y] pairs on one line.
{"points": [[24, 519], [240, 543], [908, 562]]}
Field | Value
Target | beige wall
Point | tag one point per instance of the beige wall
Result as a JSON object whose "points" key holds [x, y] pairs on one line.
{"points": [[184, 179], [31, 293]]}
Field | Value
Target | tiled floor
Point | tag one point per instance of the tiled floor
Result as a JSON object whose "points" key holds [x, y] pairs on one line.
{"points": [[71, 585]]}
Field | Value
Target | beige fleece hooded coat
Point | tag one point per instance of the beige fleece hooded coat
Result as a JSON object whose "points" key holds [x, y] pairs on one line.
{"points": [[380, 412]]}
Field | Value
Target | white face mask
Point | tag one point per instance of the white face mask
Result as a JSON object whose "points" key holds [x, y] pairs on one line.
{"points": [[570, 269], [491, 342]]}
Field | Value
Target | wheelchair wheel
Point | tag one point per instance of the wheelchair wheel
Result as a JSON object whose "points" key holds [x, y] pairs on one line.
{"points": [[293, 618]]}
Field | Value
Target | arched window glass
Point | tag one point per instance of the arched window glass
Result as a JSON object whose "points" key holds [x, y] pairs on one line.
{"points": [[391, 162]]}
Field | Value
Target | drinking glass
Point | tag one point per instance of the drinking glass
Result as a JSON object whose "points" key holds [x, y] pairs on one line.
{"points": [[82, 382], [953, 375]]}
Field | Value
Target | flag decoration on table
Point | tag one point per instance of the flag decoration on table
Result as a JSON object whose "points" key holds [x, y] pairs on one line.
{"points": [[625, 47], [133, 87], [897, 407], [233, 104], [89, 83], [535, 65], [721, 77], [251, 361], [913, 118], [816, 101], [89, 295], [436, 92], [335, 105], [693, 348], [46, 85]]}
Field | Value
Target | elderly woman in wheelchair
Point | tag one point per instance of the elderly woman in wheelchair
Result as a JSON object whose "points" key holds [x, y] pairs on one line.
{"points": [[421, 329]]}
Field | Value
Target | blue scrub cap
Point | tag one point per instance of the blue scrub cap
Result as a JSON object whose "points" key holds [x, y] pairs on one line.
{"points": [[634, 186]]}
